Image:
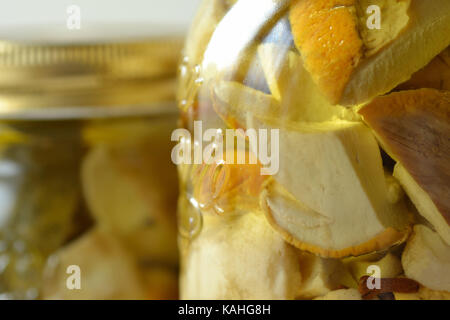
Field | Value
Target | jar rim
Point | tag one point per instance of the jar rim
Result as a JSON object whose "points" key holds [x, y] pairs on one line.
{"points": [[42, 74]]}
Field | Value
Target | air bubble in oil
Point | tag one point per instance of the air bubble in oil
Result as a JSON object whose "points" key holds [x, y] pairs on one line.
{"points": [[191, 219]]}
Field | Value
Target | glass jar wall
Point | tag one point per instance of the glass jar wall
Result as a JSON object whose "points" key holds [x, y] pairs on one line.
{"points": [[316, 150]]}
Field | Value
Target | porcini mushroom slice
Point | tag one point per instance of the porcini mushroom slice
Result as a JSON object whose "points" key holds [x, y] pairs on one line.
{"points": [[390, 266], [321, 275], [101, 257], [435, 75], [423, 294], [237, 104], [333, 172], [428, 294], [126, 197], [351, 64], [426, 259], [240, 258], [337, 235], [290, 83], [342, 294], [338, 173], [423, 202], [414, 128]]}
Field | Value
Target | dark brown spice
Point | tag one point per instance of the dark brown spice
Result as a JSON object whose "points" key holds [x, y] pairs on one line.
{"points": [[388, 285]]}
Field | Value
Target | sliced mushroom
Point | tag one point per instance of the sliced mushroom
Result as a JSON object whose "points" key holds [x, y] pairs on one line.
{"points": [[240, 258], [351, 64], [414, 128], [426, 259]]}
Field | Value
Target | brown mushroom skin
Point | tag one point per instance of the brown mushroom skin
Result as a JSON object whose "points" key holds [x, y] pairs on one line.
{"points": [[414, 128]]}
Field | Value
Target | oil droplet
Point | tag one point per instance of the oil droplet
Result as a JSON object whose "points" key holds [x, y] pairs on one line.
{"points": [[183, 70], [191, 220], [183, 104], [199, 81], [184, 66], [197, 69]]}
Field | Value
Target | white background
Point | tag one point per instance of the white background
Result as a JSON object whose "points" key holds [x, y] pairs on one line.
{"points": [[171, 13]]}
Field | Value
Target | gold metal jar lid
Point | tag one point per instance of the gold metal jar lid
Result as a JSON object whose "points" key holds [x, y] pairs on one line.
{"points": [[56, 77]]}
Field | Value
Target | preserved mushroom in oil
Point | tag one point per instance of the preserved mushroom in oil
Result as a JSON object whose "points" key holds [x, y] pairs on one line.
{"points": [[362, 119]]}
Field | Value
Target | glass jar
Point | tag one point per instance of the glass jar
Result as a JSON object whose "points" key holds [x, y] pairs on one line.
{"points": [[87, 187], [314, 155]]}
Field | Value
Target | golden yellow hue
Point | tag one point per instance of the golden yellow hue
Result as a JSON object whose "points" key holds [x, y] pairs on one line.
{"points": [[394, 18], [101, 258], [326, 33], [362, 116], [225, 188], [390, 267], [351, 63], [423, 202], [286, 76], [412, 127], [320, 276], [240, 258], [435, 75], [426, 259], [342, 294], [123, 187]]}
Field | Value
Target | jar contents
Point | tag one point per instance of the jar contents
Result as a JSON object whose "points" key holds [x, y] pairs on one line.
{"points": [[90, 197], [316, 154]]}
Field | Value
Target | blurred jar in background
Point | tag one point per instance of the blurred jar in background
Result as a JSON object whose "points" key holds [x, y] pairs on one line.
{"points": [[86, 180]]}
